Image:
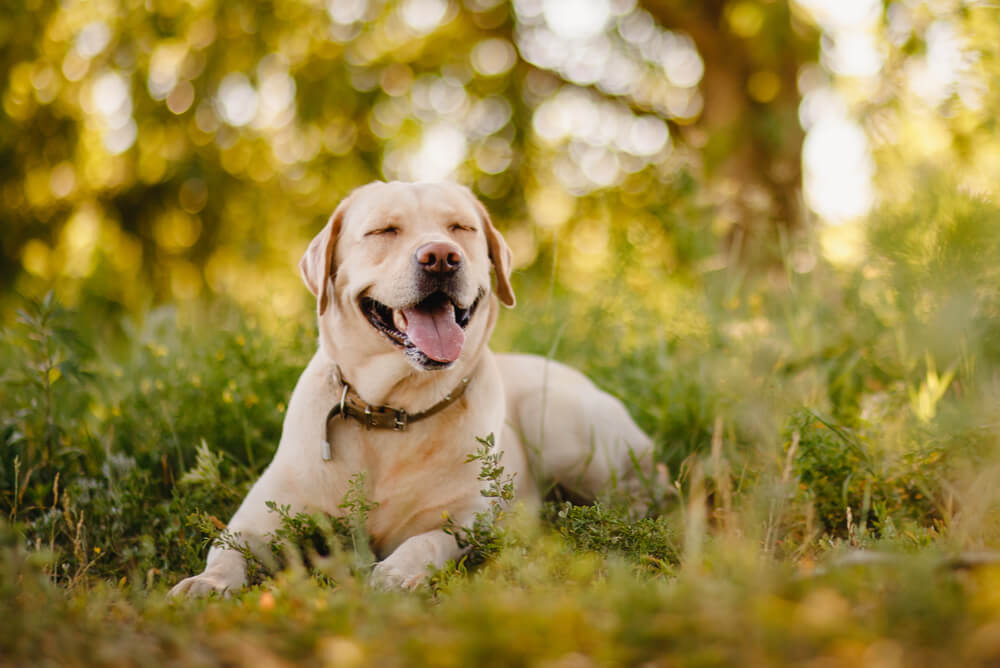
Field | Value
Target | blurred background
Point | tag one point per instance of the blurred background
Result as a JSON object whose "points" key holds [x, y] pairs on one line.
{"points": [[181, 150]]}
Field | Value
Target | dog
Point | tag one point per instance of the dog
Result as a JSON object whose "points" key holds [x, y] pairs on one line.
{"points": [[403, 382]]}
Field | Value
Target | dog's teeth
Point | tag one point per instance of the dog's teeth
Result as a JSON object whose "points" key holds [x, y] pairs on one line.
{"points": [[399, 320]]}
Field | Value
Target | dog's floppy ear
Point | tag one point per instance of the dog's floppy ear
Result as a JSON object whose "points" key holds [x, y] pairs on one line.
{"points": [[500, 255], [316, 265]]}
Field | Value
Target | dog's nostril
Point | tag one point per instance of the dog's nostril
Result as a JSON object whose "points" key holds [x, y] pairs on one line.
{"points": [[438, 257]]}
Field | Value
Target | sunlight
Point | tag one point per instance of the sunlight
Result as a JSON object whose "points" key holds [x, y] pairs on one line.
{"points": [[493, 57], [346, 12], [111, 98], [237, 100], [934, 76], [836, 158], [576, 19], [442, 149], [681, 61], [164, 68], [92, 39], [838, 170], [277, 93], [423, 16]]}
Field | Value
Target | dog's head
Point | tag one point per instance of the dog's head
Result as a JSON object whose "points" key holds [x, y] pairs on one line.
{"points": [[407, 266]]}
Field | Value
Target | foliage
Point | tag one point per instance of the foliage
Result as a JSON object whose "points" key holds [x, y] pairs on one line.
{"points": [[800, 419], [848, 482], [126, 432], [597, 528], [485, 537], [40, 408], [195, 146]]}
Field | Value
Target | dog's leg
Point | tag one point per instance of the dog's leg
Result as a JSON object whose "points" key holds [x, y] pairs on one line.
{"points": [[411, 562], [226, 569], [224, 574]]}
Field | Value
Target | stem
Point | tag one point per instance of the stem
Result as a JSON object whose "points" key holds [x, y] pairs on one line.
{"points": [[47, 381]]}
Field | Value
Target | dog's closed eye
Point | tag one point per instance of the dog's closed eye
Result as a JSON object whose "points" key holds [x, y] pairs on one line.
{"points": [[390, 230]]}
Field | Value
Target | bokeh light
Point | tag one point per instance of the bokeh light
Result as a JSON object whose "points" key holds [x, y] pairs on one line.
{"points": [[249, 126]]}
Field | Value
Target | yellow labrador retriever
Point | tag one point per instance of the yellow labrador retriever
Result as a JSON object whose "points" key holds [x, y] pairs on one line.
{"points": [[403, 383]]}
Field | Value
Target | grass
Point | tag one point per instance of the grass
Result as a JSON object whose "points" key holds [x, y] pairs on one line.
{"points": [[832, 437]]}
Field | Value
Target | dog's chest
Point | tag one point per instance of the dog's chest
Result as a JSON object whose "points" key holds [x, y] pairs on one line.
{"points": [[414, 479]]}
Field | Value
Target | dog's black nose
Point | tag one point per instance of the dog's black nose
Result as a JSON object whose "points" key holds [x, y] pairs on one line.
{"points": [[439, 258]]}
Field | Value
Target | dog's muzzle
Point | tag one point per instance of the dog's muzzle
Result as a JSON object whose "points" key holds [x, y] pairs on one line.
{"points": [[431, 331]]}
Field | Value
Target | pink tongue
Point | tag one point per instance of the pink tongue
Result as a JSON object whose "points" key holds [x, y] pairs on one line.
{"points": [[435, 332]]}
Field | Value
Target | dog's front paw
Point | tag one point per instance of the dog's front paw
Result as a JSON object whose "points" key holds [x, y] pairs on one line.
{"points": [[205, 584], [390, 574]]}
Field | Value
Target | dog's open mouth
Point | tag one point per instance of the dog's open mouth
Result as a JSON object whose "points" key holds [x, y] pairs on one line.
{"points": [[434, 327]]}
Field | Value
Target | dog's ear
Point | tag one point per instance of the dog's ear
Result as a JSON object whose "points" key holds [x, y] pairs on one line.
{"points": [[316, 265], [500, 255]]}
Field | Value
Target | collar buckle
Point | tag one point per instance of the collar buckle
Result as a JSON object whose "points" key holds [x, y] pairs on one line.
{"points": [[399, 424]]}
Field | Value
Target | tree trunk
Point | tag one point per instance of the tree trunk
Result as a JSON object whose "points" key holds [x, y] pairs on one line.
{"points": [[753, 145]]}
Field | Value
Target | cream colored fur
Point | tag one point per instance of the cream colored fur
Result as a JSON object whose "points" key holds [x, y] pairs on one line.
{"points": [[550, 422]]}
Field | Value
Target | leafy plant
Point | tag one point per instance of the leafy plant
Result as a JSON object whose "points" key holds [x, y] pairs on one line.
{"points": [[485, 537], [45, 389]]}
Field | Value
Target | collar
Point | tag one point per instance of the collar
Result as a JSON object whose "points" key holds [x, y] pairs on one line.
{"points": [[351, 405]]}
